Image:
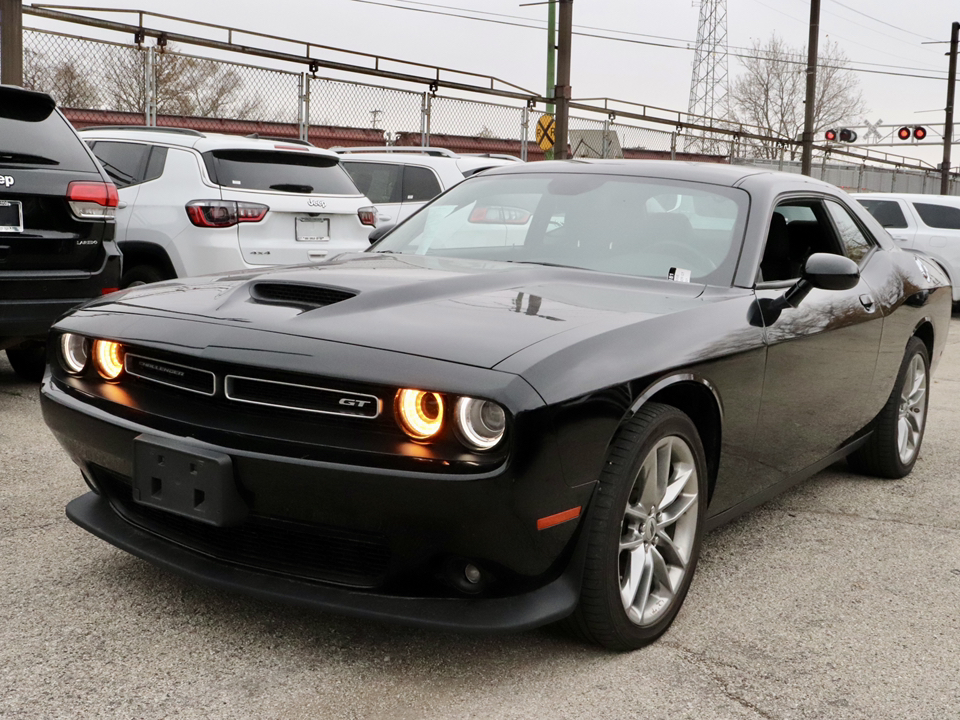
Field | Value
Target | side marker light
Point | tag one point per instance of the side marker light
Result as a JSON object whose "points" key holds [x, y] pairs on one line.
{"points": [[551, 520]]}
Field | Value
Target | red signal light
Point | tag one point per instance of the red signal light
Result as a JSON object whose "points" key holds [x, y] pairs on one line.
{"points": [[919, 133], [830, 135], [904, 133]]}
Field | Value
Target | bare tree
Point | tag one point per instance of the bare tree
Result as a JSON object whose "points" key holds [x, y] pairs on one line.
{"points": [[770, 93], [186, 86], [69, 86]]}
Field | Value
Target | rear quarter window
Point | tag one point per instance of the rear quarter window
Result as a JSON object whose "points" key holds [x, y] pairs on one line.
{"points": [[939, 216], [279, 171]]}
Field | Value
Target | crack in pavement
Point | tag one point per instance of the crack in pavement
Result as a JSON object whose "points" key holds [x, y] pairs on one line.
{"points": [[896, 521], [10, 531], [706, 666]]}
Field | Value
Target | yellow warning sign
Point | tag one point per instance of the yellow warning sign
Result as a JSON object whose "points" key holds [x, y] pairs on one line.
{"points": [[546, 132]]}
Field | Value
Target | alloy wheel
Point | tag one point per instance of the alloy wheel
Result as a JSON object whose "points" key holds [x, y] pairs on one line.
{"points": [[659, 530], [913, 409]]}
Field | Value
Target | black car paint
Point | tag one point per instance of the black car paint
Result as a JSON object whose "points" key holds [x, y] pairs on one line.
{"points": [[59, 260], [569, 353]]}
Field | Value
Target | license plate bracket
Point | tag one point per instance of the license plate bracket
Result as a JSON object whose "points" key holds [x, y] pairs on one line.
{"points": [[313, 229], [188, 481], [11, 216]]}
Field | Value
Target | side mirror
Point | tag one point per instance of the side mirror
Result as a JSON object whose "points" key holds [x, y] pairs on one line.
{"points": [[830, 272], [823, 271], [380, 232]]}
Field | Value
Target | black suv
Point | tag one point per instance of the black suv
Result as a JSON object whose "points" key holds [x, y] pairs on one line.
{"points": [[57, 227]]}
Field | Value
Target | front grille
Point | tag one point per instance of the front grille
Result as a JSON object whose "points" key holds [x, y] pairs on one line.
{"points": [[308, 296], [311, 552], [301, 397], [173, 374]]}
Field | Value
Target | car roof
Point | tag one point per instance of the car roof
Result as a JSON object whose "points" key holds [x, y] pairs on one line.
{"points": [[202, 142], [430, 157], [715, 173], [951, 200]]}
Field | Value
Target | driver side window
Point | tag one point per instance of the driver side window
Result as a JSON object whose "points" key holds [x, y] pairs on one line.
{"points": [[798, 229]]}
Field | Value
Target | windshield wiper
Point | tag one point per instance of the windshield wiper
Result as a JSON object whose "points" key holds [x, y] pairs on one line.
{"points": [[8, 156], [547, 264], [292, 188]]}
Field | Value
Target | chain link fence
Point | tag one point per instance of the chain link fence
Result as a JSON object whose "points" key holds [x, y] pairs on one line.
{"points": [[106, 83]]}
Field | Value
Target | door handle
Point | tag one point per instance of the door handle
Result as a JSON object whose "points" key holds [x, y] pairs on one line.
{"points": [[121, 205], [867, 303], [317, 255]]}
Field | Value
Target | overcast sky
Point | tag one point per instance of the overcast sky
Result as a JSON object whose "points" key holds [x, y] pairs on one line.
{"points": [[883, 32]]}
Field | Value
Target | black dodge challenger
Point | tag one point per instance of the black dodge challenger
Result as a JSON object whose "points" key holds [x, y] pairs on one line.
{"points": [[525, 404]]}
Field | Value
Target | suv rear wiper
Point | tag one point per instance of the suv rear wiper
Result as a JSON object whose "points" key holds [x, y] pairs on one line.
{"points": [[9, 156], [290, 187]]}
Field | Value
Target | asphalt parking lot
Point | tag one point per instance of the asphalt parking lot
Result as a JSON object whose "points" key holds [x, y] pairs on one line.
{"points": [[840, 599]]}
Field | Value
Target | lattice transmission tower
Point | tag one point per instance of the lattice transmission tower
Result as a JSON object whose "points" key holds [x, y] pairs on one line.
{"points": [[709, 84]]}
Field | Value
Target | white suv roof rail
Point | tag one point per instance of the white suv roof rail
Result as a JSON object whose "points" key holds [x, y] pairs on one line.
{"points": [[145, 128], [413, 149]]}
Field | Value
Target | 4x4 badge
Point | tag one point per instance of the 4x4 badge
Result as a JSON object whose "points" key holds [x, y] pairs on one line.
{"points": [[6, 180]]}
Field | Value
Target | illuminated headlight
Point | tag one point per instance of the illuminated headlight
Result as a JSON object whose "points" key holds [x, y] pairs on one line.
{"points": [[74, 352], [480, 423], [108, 358], [419, 413]]}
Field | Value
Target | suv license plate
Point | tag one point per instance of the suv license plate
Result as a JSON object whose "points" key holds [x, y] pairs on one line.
{"points": [[313, 229], [11, 216], [188, 481]]}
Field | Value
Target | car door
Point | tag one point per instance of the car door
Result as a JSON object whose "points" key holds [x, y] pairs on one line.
{"points": [[420, 185], [126, 164], [895, 215], [818, 386]]}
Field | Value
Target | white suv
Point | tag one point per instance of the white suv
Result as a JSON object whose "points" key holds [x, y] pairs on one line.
{"points": [[928, 223], [401, 180], [194, 203]]}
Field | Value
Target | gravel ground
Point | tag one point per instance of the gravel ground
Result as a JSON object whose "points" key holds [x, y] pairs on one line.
{"points": [[837, 600]]}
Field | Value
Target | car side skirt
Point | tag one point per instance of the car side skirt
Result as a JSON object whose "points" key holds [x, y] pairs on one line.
{"points": [[778, 488]]}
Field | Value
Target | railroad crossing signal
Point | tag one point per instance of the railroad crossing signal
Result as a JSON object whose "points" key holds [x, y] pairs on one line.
{"points": [[546, 132]]}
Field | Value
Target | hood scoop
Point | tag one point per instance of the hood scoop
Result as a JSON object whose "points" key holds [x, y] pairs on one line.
{"points": [[308, 297]]}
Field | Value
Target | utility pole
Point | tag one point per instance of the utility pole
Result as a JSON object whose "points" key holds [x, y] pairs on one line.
{"points": [[562, 92], [551, 59], [806, 158], [11, 42], [948, 126]]}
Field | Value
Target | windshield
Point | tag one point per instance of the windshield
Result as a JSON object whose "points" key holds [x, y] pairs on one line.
{"points": [[633, 226]]}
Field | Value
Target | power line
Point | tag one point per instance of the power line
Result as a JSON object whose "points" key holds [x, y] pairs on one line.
{"points": [[882, 22], [742, 55], [868, 47]]}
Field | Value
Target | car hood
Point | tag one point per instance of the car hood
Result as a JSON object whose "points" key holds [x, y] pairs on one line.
{"points": [[466, 311]]}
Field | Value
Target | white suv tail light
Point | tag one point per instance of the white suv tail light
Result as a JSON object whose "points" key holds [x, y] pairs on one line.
{"points": [[368, 216], [93, 200], [224, 213]]}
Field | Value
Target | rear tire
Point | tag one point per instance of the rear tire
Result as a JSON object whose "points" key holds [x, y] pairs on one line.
{"points": [[141, 275], [644, 529], [29, 360], [894, 446]]}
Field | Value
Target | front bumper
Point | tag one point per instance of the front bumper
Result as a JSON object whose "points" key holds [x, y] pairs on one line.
{"points": [[551, 602], [425, 523]]}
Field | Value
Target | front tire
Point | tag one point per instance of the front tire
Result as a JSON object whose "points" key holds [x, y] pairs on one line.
{"points": [[141, 275], [28, 360], [644, 530], [893, 447]]}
